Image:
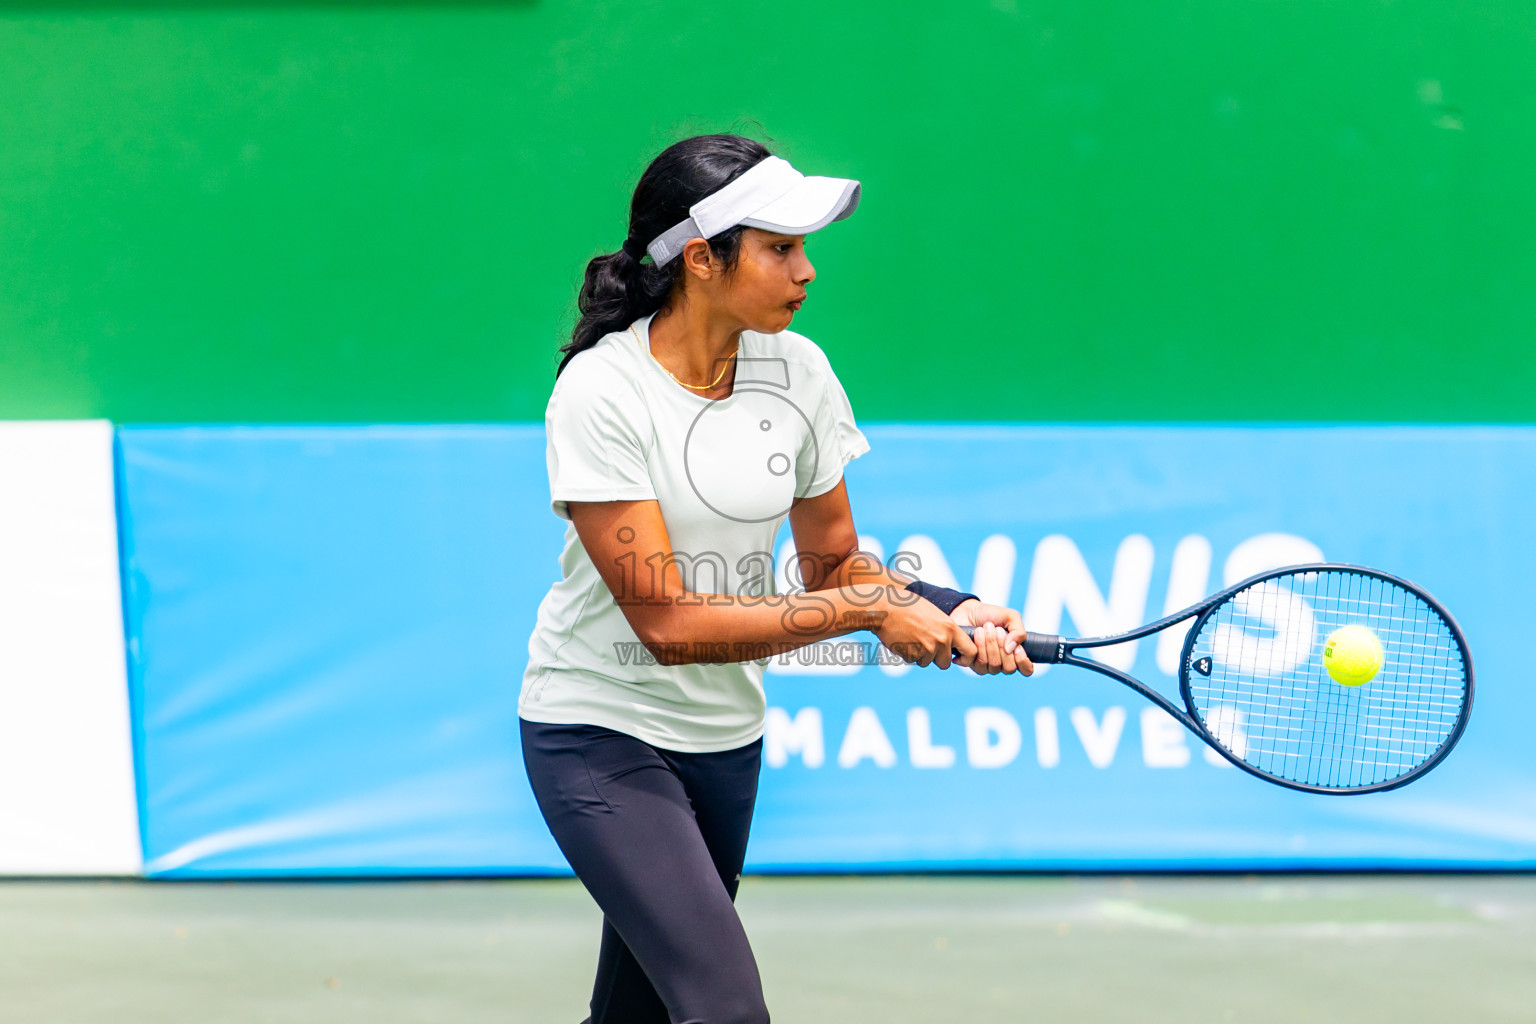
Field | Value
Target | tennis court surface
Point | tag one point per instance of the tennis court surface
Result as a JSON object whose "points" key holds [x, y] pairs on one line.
{"points": [[881, 949]]}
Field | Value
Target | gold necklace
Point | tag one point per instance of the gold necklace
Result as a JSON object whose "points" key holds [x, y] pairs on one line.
{"points": [[691, 387]]}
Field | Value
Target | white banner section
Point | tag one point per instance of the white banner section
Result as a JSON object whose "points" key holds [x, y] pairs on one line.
{"points": [[67, 803]]}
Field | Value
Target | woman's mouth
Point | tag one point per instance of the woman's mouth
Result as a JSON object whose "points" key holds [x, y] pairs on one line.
{"points": [[797, 303]]}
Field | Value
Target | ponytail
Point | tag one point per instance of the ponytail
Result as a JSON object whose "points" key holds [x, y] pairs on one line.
{"points": [[624, 286], [617, 290]]}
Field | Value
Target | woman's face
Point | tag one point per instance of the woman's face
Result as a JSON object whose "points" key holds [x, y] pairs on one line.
{"points": [[768, 284]]}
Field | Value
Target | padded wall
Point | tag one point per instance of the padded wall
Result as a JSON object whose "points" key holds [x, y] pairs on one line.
{"points": [[330, 625], [66, 758]]}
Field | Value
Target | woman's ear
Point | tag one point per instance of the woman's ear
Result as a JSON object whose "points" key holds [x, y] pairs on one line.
{"points": [[698, 259]]}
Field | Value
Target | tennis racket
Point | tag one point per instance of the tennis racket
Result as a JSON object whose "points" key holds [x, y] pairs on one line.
{"points": [[1255, 685]]}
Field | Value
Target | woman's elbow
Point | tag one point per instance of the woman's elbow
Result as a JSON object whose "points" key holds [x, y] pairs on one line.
{"points": [[664, 642]]}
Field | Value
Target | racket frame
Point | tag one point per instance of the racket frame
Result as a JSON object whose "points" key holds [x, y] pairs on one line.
{"points": [[1055, 650]]}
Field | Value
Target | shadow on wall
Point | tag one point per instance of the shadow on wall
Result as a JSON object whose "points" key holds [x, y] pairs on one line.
{"points": [[54, 6]]}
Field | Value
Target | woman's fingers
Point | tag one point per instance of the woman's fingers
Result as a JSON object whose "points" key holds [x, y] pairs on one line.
{"points": [[1014, 645], [990, 658], [993, 648], [988, 649], [957, 641], [1004, 657], [1000, 649], [978, 664]]}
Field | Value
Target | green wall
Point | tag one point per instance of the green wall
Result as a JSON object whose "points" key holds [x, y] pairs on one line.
{"points": [[1129, 210]]}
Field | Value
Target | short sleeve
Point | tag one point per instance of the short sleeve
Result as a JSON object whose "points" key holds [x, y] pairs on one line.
{"points": [[837, 439], [597, 433]]}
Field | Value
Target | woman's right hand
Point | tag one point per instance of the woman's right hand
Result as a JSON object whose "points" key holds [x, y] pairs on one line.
{"points": [[919, 633]]}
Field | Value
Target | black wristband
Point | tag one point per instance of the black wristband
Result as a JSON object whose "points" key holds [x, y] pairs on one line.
{"points": [[945, 599]]}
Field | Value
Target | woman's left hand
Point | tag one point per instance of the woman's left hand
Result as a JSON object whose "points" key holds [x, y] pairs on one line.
{"points": [[999, 637]]}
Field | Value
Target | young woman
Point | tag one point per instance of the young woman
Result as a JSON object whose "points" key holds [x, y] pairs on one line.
{"points": [[686, 423]]}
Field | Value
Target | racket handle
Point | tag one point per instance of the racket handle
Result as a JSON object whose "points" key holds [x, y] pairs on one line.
{"points": [[1042, 648]]}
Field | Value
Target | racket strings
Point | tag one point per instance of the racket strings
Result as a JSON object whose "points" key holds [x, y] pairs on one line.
{"points": [[1271, 703]]}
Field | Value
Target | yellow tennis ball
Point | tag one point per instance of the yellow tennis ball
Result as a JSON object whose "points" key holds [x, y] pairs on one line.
{"points": [[1352, 655]]}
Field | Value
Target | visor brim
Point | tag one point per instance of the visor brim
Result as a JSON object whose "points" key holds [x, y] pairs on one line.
{"points": [[811, 205]]}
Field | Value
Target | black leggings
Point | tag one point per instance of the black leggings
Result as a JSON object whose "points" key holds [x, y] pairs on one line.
{"points": [[658, 838]]}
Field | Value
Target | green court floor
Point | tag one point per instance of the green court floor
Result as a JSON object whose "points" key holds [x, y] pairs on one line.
{"points": [[889, 950]]}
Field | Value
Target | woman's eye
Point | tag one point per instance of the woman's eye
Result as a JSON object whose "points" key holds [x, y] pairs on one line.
{"points": [[784, 246]]}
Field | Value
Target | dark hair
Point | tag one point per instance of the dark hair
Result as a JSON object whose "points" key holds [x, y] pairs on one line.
{"points": [[619, 288]]}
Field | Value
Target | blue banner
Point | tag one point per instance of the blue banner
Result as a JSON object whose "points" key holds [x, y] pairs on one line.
{"points": [[328, 628], [327, 632]]}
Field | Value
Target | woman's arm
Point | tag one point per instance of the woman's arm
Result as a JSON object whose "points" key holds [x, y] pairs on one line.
{"points": [[827, 543], [628, 543]]}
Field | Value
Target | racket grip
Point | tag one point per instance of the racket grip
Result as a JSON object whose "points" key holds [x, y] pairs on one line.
{"points": [[1042, 648]]}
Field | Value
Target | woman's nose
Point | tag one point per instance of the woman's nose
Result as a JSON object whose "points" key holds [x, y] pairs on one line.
{"points": [[805, 273]]}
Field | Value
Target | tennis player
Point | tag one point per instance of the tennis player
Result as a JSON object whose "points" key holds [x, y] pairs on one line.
{"points": [[687, 421]]}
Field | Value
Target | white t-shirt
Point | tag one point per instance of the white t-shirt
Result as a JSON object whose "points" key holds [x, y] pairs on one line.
{"points": [[725, 472]]}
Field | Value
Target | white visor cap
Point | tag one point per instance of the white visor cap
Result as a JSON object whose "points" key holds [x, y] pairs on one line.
{"points": [[771, 195]]}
